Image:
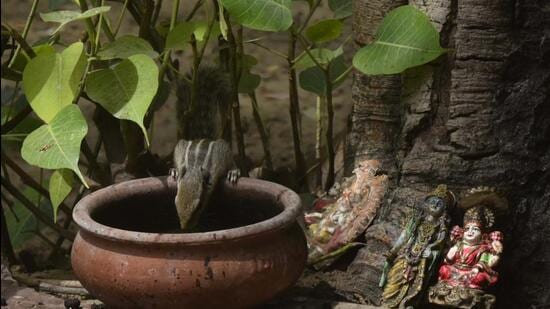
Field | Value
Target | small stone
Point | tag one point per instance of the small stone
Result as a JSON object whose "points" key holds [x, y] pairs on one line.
{"points": [[72, 303]]}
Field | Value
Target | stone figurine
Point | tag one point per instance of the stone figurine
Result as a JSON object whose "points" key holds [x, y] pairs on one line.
{"points": [[411, 261], [469, 264]]}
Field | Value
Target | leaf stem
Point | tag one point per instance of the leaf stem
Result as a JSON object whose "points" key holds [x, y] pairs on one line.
{"points": [[343, 75]]}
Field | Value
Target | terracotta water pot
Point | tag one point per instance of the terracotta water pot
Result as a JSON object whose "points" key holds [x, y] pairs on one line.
{"points": [[129, 254]]}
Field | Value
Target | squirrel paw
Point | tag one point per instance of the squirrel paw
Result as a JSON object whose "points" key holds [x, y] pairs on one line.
{"points": [[233, 175], [173, 173]]}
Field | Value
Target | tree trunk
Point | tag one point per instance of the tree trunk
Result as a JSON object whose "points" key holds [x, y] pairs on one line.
{"points": [[478, 116]]}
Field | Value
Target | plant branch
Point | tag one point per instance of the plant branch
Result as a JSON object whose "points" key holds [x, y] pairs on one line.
{"points": [[234, 71], [12, 123], [35, 211], [309, 15], [156, 12], [29, 181], [22, 42], [26, 29], [120, 17], [261, 128], [329, 132], [294, 110], [276, 53], [6, 247], [194, 10]]}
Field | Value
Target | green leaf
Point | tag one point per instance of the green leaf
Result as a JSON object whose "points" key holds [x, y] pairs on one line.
{"points": [[341, 8], [322, 55], [57, 145], [20, 221], [65, 17], [405, 39], [249, 82], [126, 46], [22, 59], [313, 79], [127, 89], [61, 184], [266, 15], [325, 30], [249, 61], [180, 36], [51, 80]]}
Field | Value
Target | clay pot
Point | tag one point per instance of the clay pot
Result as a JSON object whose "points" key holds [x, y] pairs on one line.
{"points": [[125, 255]]}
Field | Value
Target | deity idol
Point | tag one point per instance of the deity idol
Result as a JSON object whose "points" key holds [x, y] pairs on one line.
{"points": [[409, 263], [469, 264]]}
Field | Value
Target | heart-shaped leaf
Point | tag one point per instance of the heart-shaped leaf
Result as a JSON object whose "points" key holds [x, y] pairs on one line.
{"points": [[341, 8], [126, 46], [65, 17], [405, 39], [249, 82], [248, 61], [22, 59], [182, 33], [313, 79], [325, 30], [61, 184], [21, 222], [323, 56], [126, 90], [57, 145], [51, 80], [266, 15]]}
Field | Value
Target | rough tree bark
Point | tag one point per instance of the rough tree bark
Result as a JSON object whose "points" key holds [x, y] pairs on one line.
{"points": [[478, 116]]}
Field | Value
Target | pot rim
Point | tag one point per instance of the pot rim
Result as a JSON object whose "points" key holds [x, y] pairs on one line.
{"points": [[284, 196]]}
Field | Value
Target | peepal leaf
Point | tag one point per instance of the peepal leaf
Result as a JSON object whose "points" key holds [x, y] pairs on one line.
{"points": [[126, 46], [406, 38], [21, 222], [61, 184], [57, 145], [180, 36], [266, 15], [323, 56], [249, 82], [127, 89], [51, 80], [313, 79], [65, 17], [341, 8], [325, 30]]}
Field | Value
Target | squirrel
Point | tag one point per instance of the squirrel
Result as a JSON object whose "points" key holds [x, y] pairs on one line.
{"points": [[200, 165], [211, 116], [201, 159]]}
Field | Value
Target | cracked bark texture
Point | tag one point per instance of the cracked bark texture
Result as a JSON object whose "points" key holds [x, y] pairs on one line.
{"points": [[478, 116]]}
